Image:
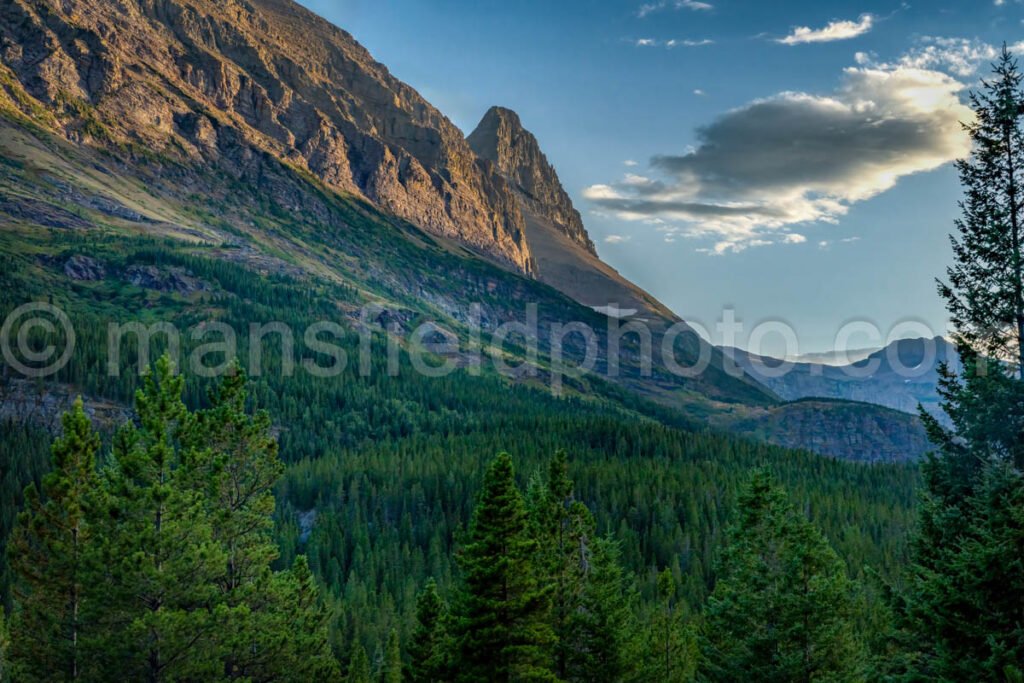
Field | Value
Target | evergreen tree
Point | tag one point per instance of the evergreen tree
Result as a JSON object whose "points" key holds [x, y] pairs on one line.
{"points": [[163, 566], [428, 651], [667, 650], [502, 620], [985, 292], [49, 553], [783, 607], [358, 665], [285, 634], [232, 457], [392, 670], [600, 628], [963, 603], [562, 527]]}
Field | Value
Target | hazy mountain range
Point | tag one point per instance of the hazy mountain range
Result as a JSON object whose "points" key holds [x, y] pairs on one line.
{"points": [[901, 376]]}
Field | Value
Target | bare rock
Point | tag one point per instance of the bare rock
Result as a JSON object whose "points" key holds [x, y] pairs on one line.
{"points": [[84, 268], [501, 139], [176, 280]]}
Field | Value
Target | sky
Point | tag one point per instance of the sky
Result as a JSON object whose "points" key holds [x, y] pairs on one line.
{"points": [[771, 162]]}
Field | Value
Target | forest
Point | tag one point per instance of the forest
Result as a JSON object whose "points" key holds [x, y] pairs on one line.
{"points": [[399, 528]]}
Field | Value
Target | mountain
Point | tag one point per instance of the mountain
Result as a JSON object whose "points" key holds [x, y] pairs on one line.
{"points": [[901, 376], [152, 149], [563, 251], [237, 84]]}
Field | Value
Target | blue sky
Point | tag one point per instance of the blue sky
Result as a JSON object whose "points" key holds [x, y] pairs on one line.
{"points": [[800, 149]]}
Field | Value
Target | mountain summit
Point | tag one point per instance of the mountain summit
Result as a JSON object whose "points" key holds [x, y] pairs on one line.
{"points": [[564, 254], [501, 139]]}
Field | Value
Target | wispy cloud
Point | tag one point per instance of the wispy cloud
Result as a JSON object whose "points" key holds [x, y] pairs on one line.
{"points": [[797, 158], [836, 30], [672, 43], [652, 7], [615, 239]]}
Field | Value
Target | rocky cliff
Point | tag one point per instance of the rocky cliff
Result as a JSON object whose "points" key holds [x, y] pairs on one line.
{"points": [[241, 84], [501, 139], [564, 254]]}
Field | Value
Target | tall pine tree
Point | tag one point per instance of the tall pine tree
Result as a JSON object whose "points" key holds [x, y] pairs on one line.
{"points": [[429, 650], [502, 619], [963, 606], [50, 554], [163, 566]]}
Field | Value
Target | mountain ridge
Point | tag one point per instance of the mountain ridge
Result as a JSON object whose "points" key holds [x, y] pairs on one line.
{"points": [[98, 148]]}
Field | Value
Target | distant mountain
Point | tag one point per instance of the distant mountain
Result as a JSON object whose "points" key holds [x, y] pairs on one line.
{"points": [[837, 428], [901, 376], [834, 357]]}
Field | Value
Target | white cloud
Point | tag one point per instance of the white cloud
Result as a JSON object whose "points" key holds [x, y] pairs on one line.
{"points": [[630, 162], [652, 42], [615, 239], [652, 7], [794, 238], [698, 92], [836, 30], [689, 43], [798, 158], [960, 56]]}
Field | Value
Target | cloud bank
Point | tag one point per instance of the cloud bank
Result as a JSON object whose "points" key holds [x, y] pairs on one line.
{"points": [[794, 158], [836, 30]]}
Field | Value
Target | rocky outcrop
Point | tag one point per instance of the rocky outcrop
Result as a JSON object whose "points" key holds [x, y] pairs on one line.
{"points": [[501, 139], [84, 268], [243, 84], [840, 429], [175, 280]]}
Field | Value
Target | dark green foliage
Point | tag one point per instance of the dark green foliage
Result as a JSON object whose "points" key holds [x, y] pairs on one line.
{"points": [[157, 566], [783, 608], [392, 671], [162, 563], [501, 618], [666, 649], [359, 666], [600, 628], [961, 611], [50, 550], [430, 647]]}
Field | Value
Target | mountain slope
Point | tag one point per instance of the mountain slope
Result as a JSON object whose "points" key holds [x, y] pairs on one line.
{"points": [[226, 82], [563, 251]]}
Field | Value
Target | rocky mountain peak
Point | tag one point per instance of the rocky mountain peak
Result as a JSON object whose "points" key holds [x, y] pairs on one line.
{"points": [[246, 86], [501, 139]]}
